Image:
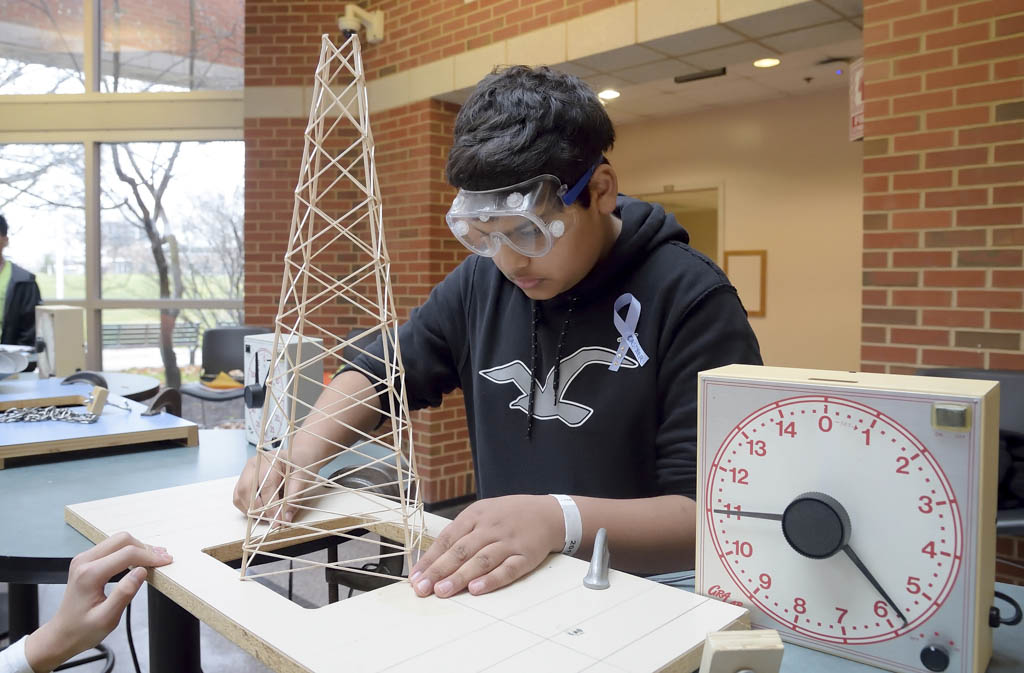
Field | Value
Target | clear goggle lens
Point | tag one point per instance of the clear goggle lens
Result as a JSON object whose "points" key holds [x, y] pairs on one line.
{"points": [[527, 217], [484, 234]]}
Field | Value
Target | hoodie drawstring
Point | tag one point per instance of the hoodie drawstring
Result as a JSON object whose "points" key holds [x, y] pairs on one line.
{"points": [[533, 360]]}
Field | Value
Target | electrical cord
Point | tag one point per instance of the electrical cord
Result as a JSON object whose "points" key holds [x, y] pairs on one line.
{"points": [[131, 642], [104, 653], [995, 620]]}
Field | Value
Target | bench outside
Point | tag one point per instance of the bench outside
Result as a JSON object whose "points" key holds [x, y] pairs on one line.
{"points": [[147, 335]]}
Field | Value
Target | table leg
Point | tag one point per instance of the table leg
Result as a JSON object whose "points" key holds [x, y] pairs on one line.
{"points": [[23, 606], [173, 636]]}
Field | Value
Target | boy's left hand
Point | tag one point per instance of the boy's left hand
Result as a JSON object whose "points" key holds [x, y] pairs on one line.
{"points": [[492, 543]]}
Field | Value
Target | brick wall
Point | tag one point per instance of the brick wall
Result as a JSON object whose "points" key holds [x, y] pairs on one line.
{"points": [[943, 194], [282, 39]]}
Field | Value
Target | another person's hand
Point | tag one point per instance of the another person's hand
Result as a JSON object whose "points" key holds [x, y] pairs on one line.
{"points": [[264, 473], [86, 615], [490, 544]]}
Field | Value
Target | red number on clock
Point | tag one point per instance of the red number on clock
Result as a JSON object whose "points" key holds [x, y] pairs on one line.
{"points": [[766, 581], [867, 437], [787, 429], [926, 505], [739, 475], [881, 609], [744, 549], [913, 585], [842, 613], [799, 605], [929, 549], [729, 507], [756, 447], [903, 463]]}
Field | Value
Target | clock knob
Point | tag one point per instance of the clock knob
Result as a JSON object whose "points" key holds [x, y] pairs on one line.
{"points": [[935, 658], [816, 525], [254, 395]]}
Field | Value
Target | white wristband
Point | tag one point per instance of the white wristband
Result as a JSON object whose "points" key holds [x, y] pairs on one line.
{"points": [[573, 524]]}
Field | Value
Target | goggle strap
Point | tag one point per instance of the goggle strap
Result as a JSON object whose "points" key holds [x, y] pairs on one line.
{"points": [[570, 197]]}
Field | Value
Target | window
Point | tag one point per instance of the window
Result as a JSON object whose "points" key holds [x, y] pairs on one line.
{"points": [[151, 45], [137, 216], [41, 46], [42, 190], [172, 220]]}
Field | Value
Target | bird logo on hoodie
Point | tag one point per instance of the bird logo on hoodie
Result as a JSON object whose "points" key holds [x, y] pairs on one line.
{"points": [[571, 413]]}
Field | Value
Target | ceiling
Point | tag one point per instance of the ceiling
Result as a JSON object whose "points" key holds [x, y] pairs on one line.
{"points": [[800, 35]]}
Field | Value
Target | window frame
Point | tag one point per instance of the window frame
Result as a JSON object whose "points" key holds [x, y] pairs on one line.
{"points": [[95, 118]]}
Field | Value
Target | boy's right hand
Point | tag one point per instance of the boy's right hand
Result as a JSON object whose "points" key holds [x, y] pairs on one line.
{"points": [[263, 470]]}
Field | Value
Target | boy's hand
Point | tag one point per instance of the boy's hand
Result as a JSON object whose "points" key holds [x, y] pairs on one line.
{"points": [[489, 545], [86, 615], [262, 469]]}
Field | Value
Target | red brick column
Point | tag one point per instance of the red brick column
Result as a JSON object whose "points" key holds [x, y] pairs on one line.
{"points": [[943, 174]]}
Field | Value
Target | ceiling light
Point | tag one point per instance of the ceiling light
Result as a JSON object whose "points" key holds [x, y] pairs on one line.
{"points": [[766, 62], [608, 94]]}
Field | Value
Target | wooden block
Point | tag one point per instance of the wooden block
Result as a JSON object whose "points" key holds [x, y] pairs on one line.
{"points": [[99, 399], [757, 651]]}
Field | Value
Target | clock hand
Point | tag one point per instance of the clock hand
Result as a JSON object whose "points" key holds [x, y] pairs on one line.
{"points": [[871, 578], [753, 515]]}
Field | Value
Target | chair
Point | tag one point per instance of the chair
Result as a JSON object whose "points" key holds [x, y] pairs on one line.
{"points": [[222, 352], [1011, 436]]}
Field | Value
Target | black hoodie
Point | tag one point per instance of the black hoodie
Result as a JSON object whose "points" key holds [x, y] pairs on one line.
{"points": [[629, 433]]}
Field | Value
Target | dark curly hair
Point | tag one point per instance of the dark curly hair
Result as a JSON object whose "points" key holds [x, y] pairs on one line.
{"points": [[521, 122], [3, 226]]}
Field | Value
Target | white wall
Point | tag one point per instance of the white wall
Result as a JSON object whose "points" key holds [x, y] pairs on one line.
{"points": [[792, 185]]}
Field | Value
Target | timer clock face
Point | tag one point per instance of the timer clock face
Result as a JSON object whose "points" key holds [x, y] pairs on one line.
{"points": [[258, 372], [840, 518]]}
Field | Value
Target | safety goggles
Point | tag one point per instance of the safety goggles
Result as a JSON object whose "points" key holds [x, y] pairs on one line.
{"points": [[527, 217]]}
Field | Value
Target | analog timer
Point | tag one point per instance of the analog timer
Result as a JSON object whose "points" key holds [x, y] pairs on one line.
{"points": [[848, 511]]}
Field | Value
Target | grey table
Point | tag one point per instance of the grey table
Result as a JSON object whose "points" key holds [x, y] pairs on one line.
{"points": [[36, 546]]}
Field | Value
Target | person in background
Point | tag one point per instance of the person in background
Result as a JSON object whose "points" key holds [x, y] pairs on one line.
{"points": [[86, 615], [19, 295]]}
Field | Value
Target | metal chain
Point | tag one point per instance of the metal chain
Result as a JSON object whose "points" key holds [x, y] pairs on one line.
{"points": [[35, 414]]}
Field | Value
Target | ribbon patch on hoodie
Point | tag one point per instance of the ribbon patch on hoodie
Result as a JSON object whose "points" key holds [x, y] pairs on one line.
{"points": [[627, 329]]}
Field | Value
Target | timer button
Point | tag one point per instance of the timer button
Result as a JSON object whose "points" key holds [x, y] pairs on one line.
{"points": [[935, 658]]}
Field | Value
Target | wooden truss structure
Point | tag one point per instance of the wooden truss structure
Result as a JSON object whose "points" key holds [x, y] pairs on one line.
{"points": [[337, 163]]}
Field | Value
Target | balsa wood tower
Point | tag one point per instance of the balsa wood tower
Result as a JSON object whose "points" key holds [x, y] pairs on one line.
{"points": [[336, 260]]}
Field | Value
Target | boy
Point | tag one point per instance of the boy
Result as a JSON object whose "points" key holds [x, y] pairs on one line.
{"points": [[566, 272]]}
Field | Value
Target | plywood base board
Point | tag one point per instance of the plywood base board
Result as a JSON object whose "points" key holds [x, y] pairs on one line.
{"points": [[546, 621]]}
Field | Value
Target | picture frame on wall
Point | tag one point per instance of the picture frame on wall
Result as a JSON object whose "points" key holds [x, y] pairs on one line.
{"points": [[747, 270]]}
